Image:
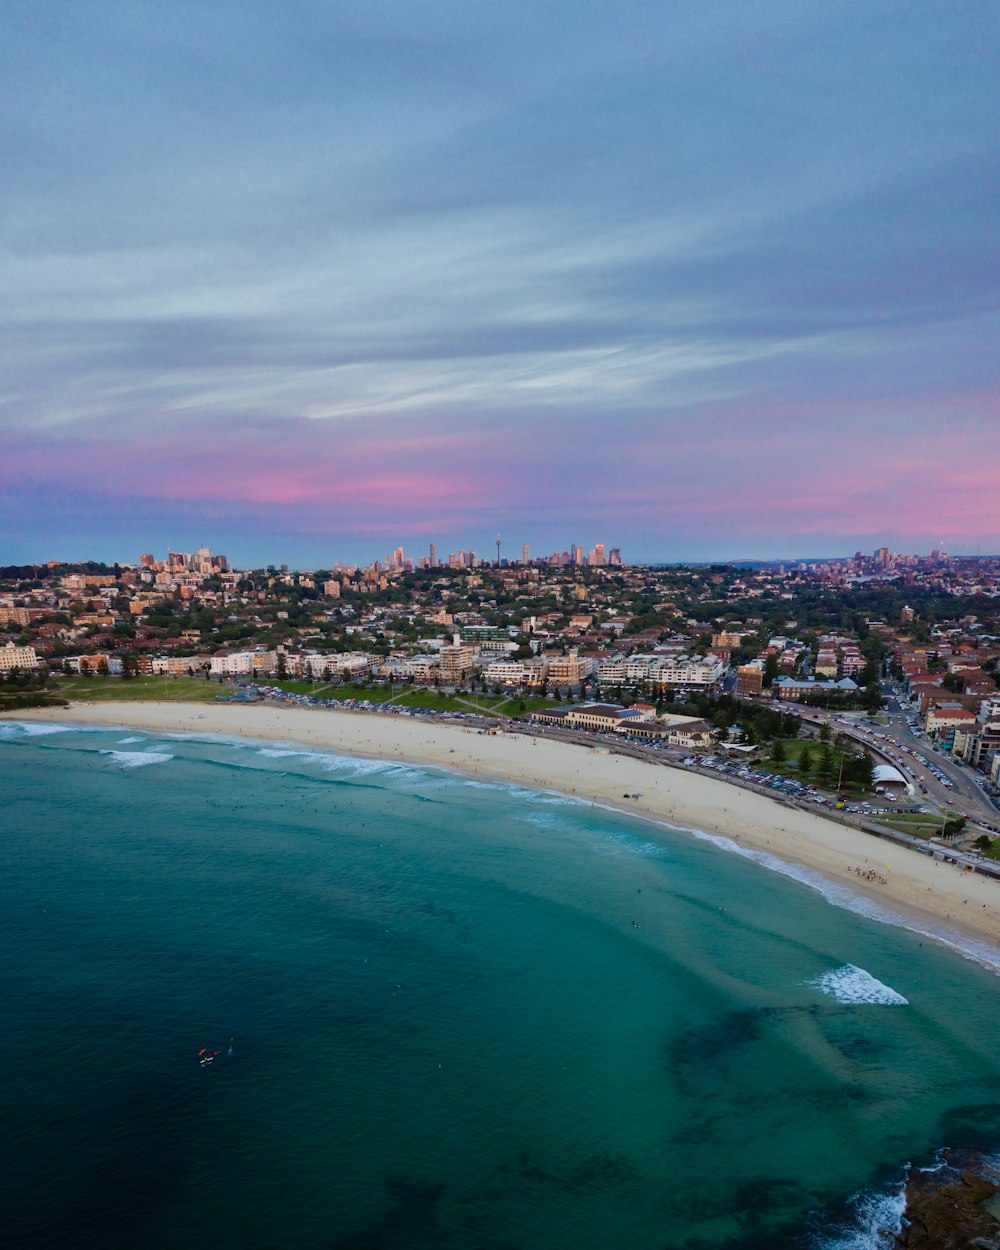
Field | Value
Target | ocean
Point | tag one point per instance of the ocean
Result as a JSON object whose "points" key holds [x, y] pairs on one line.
{"points": [[443, 1013]]}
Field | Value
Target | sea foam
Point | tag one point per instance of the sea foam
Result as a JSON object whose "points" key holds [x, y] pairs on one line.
{"points": [[138, 759], [842, 896], [852, 985], [874, 1219], [32, 729]]}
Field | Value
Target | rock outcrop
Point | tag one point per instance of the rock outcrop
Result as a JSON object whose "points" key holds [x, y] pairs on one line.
{"points": [[944, 1208]]}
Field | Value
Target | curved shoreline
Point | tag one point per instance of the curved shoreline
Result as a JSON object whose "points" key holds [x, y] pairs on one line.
{"points": [[933, 895]]}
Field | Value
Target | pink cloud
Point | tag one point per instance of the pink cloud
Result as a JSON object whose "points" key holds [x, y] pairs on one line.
{"points": [[729, 474]]}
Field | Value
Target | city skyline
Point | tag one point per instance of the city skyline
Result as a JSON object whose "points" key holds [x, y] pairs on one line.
{"points": [[719, 282], [882, 560]]}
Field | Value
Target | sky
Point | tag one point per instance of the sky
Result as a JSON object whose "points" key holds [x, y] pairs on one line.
{"points": [[308, 281]]}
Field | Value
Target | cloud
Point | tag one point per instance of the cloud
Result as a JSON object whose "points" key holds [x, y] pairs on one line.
{"points": [[383, 265]]}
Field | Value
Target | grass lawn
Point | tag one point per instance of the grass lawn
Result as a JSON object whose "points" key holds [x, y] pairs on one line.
{"points": [[93, 689], [919, 826], [409, 696], [789, 767], [434, 699]]}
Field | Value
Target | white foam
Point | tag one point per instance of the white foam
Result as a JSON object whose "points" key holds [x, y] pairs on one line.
{"points": [[32, 729], [853, 985], [357, 766], [281, 753], [124, 741], [876, 1218], [842, 896], [138, 759]]}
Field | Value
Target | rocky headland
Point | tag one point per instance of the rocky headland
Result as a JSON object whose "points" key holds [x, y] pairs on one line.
{"points": [[950, 1208]]}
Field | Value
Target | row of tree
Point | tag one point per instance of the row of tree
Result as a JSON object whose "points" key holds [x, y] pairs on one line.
{"points": [[854, 770]]}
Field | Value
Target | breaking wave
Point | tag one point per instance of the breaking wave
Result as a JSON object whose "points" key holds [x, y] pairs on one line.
{"points": [[871, 1222], [842, 896], [138, 759], [33, 729], [852, 985]]}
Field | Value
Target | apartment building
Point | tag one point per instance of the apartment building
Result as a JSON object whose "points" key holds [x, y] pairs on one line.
{"points": [[12, 657]]}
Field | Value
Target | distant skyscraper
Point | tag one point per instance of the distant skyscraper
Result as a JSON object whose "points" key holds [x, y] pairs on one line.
{"points": [[524, 553], [433, 556]]}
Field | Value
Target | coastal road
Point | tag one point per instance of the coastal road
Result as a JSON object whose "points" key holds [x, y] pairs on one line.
{"points": [[901, 747]]}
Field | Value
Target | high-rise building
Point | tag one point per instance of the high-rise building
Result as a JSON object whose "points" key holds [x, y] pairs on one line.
{"points": [[433, 556], [524, 553]]}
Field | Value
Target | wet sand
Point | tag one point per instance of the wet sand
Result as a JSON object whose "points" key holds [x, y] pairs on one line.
{"points": [[903, 880]]}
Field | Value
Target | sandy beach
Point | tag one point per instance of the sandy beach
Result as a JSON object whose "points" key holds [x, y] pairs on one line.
{"points": [[914, 884]]}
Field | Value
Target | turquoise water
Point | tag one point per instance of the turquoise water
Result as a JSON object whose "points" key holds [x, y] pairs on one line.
{"points": [[462, 1015]]}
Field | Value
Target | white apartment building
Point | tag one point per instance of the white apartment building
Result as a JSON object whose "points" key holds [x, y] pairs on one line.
{"points": [[516, 672], [663, 671], [613, 672], [687, 671], [236, 664], [418, 668], [17, 657], [350, 663]]}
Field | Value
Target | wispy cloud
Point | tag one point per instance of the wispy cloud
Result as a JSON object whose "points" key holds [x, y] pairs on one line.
{"points": [[714, 275]]}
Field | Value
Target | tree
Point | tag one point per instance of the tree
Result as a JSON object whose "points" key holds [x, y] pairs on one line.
{"points": [[825, 770], [873, 697], [805, 761], [282, 666], [824, 733], [868, 674], [770, 669], [778, 751]]}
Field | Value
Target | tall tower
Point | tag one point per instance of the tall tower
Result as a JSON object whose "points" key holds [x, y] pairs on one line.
{"points": [[498, 550], [433, 556]]}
